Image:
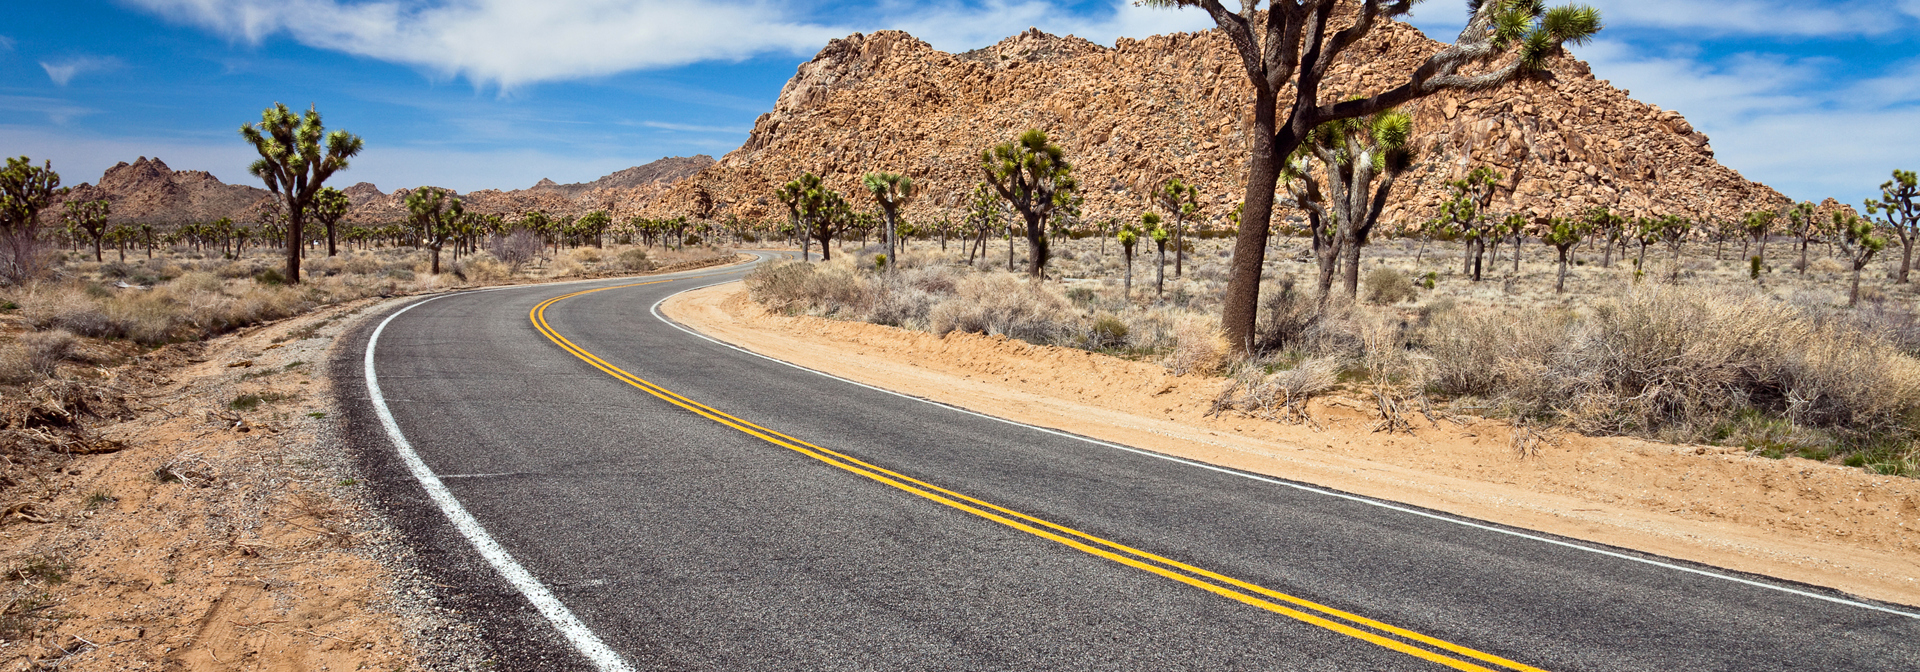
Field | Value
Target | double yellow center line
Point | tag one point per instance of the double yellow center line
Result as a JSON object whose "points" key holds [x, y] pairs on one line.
{"points": [[1353, 625]]}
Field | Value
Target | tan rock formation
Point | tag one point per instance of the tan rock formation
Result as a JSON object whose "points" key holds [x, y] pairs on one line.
{"points": [[1134, 115]]}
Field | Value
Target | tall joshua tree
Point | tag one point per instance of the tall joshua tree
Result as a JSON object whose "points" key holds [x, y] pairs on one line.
{"points": [[437, 214], [1291, 48], [89, 217], [329, 205], [294, 164], [1182, 202], [891, 191], [1855, 238], [1896, 205], [1033, 175], [1466, 214]]}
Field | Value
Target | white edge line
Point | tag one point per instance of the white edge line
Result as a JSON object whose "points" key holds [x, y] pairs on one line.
{"points": [[577, 633], [1298, 486], [588, 644]]}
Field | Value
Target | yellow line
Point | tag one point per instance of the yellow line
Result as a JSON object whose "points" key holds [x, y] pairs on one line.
{"points": [[1054, 532]]}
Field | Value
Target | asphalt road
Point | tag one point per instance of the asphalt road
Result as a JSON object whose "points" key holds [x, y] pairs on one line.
{"points": [[770, 518]]}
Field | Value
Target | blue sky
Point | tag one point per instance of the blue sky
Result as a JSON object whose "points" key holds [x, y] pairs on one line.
{"points": [[1816, 99]]}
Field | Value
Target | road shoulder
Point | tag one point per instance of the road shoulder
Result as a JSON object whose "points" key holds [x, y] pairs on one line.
{"points": [[1793, 519]]}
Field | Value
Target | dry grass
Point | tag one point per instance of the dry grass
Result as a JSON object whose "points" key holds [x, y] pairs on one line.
{"points": [[1704, 354]]}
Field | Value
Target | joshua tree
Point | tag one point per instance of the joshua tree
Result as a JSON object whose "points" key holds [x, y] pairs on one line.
{"points": [[1855, 237], [823, 214], [329, 205], [1353, 152], [89, 217], [1645, 232], [1033, 175], [1607, 228], [1127, 240], [1304, 191], [1803, 225], [1182, 202], [1514, 226], [1757, 225], [1564, 235], [1674, 230], [594, 225], [891, 191], [1160, 235], [437, 214], [1466, 214], [147, 236], [120, 235], [24, 192], [1896, 205], [294, 167], [792, 194], [1288, 48]]}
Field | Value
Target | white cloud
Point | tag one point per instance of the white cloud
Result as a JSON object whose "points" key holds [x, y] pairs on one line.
{"points": [[1701, 18], [514, 42], [1793, 124], [691, 128], [58, 111], [6, 43], [64, 70]]}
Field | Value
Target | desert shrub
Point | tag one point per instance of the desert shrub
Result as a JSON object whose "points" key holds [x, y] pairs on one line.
{"points": [[70, 308], [634, 260], [1005, 304], [1669, 361], [588, 255], [363, 263], [320, 267], [1291, 321], [482, 267], [517, 248], [15, 367], [271, 276], [1109, 331], [797, 286], [46, 349], [899, 304], [1386, 286], [1197, 347]]}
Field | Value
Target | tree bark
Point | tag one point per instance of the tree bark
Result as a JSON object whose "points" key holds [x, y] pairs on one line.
{"points": [[1160, 271], [296, 225], [1240, 306], [1036, 245]]}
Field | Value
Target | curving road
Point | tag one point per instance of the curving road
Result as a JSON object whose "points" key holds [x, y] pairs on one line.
{"points": [[600, 489]]}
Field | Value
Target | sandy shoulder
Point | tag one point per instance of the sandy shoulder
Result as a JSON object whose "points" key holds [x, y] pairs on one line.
{"points": [[1795, 519]]}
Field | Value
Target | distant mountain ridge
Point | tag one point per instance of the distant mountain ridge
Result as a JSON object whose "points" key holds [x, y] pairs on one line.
{"points": [[149, 191]]}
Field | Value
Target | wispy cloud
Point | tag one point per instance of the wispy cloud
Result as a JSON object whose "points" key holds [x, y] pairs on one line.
{"points": [[6, 43], [691, 128], [514, 42], [64, 70], [1718, 18], [1795, 124], [58, 111]]}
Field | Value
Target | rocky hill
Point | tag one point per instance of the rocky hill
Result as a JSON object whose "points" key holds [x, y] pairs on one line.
{"points": [[1134, 115], [148, 191]]}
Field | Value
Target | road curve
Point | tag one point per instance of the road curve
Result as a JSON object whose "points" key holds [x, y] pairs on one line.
{"points": [[685, 505]]}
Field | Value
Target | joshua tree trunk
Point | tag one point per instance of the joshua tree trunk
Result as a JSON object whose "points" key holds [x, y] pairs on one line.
{"points": [[1128, 284], [1160, 271], [1036, 244], [1853, 296], [436, 258], [1906, 259], [1803, 255], [1179, 248], [1516, 254], [1009, 246]]}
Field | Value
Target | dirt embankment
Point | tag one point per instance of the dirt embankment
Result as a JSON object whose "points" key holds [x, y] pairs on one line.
{"points": [[1795, 519]]}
